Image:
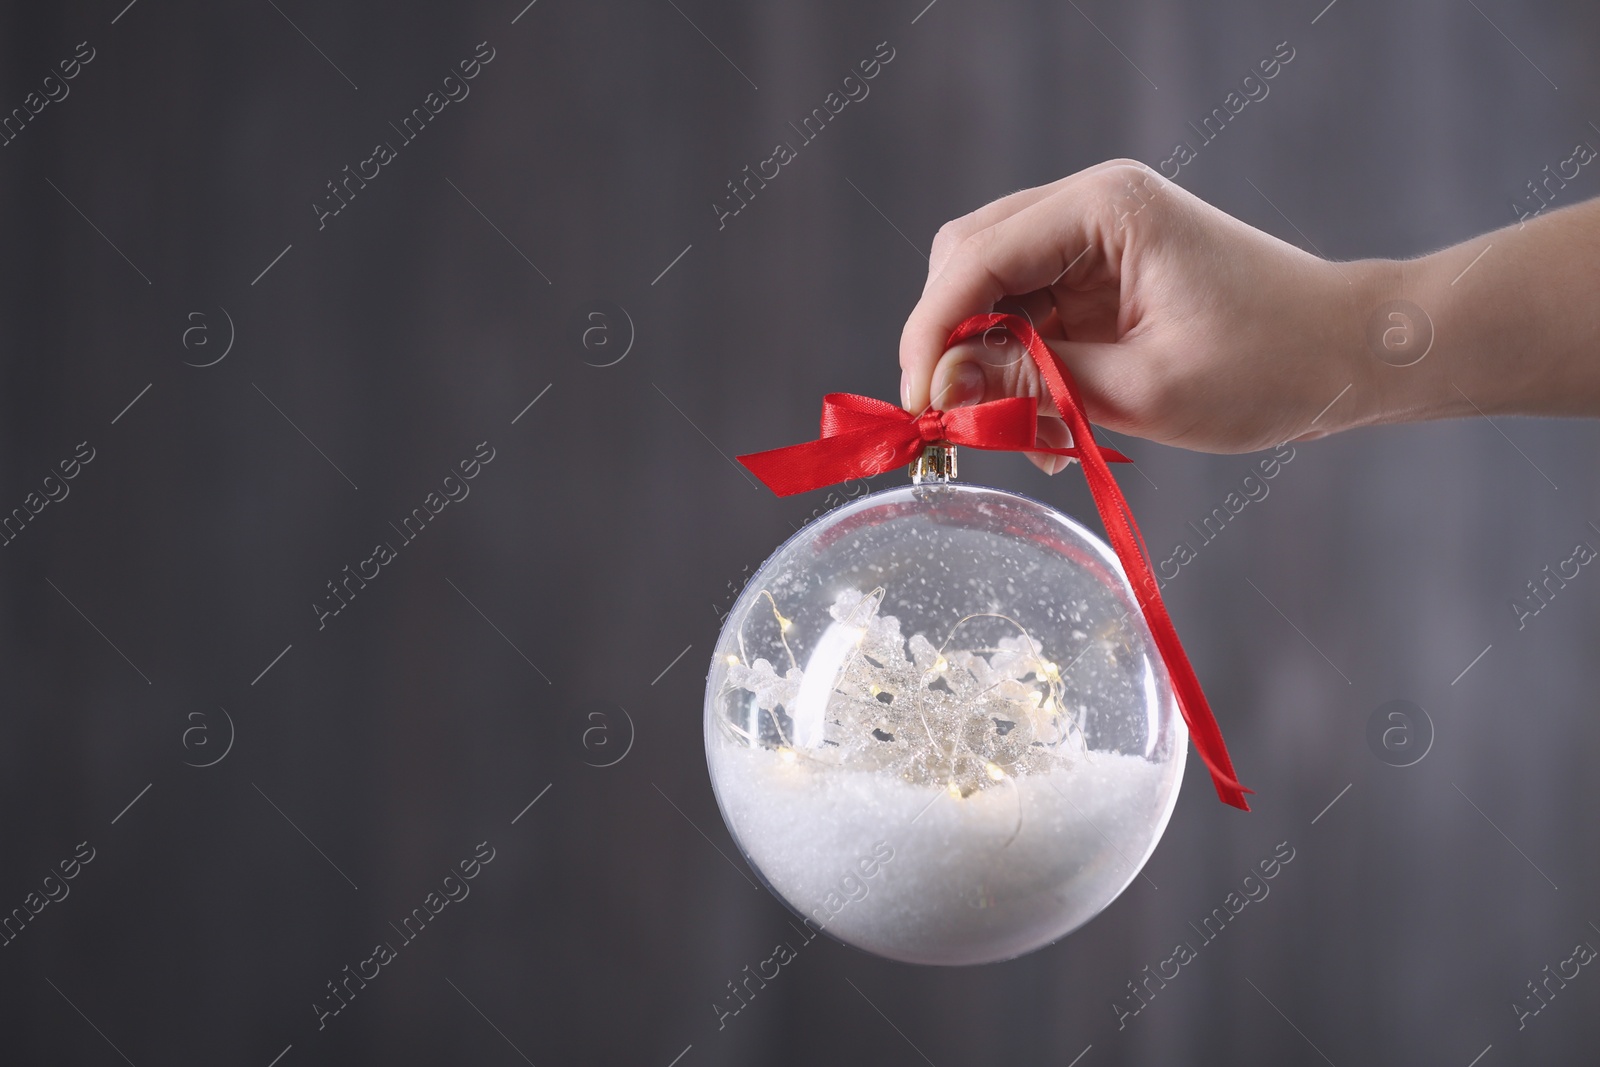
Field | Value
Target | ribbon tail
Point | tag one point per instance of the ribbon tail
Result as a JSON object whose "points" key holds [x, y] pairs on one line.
{"points": [[1129, 545], [830, 460]]}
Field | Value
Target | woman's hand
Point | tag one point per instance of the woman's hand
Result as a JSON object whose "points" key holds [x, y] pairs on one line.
{"points": [[1180, 323]]}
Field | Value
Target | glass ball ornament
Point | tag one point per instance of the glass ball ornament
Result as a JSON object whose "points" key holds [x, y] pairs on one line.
{"points": [[938, 727]]}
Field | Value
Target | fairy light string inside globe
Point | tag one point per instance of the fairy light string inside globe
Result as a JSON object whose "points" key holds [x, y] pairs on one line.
{"points": [[963, 719]]}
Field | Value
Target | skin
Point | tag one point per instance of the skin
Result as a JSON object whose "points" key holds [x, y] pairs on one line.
{"points": [[1183, 325]]}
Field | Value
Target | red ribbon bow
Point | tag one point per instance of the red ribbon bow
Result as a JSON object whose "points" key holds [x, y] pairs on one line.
{"points": [[862, 436]]}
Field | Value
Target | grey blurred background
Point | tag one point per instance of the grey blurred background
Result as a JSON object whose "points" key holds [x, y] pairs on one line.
{"points": [[163, 610]]}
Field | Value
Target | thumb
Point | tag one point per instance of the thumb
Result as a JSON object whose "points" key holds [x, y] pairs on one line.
{"points": [[996, 365], [990, 366]]}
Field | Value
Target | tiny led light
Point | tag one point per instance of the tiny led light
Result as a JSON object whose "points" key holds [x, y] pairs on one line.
{"points": [[785, 624], [787, 755], [733, 661], [994, 772], [940, 664]]}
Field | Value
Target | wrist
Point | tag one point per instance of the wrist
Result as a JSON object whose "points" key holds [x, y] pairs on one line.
{"points": [[1513, 323], [1423, 356]]}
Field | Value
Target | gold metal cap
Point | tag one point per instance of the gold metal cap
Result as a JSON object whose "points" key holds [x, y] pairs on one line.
{"points": [[936, 464]]}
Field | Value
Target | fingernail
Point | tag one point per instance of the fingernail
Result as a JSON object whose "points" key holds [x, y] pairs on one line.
{"points": [[963, 385], [1061, 463], [905, 390]]}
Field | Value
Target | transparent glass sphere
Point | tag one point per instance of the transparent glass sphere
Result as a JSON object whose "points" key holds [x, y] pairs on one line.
{"points": [[937, 725]]}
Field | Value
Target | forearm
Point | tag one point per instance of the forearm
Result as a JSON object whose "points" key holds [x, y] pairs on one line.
{"points": [[1515, 316]]}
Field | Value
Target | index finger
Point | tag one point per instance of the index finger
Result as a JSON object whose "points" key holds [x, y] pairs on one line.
{"points": [[1030, 250], [996, 210]]}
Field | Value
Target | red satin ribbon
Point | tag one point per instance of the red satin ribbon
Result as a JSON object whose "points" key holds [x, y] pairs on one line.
{"points": [[862, 436]]}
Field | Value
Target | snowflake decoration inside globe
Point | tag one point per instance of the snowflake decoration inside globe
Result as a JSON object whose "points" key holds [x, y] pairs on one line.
{"points": [[965, 720], [936, 725]]}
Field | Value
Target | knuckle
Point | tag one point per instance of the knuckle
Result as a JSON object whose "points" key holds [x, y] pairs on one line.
{"points": [[1124, 163], [949, 237], [1131, 194], [1022, 378], [962, 258]]}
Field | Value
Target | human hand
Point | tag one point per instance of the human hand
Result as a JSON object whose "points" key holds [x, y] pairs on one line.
{"points": [[1180, 323]]}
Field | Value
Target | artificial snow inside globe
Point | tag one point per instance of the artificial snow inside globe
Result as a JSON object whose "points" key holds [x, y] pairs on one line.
{"points": [[937, 724]]}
